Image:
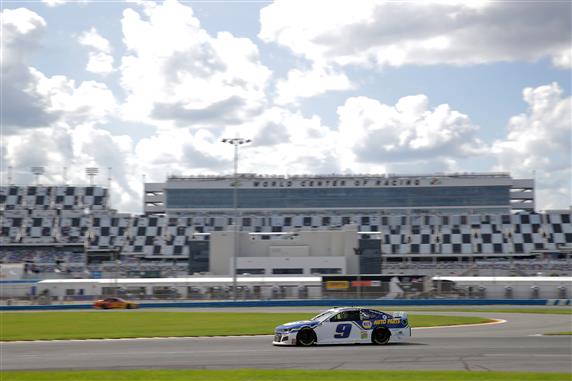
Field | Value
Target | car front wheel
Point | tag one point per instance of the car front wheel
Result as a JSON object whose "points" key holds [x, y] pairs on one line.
{"points": [[380, 336], [306, 337]]}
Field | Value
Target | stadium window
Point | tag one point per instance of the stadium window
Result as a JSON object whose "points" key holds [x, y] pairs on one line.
{"points": [[287, 221], [307, 221], [251, 271], [365, 220], [565, 219], [346, 220], [497, 247], [325, 221], [325, 271], [287, 271], [246, 221]]}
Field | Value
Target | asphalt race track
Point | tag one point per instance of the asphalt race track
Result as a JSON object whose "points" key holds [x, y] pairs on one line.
{"points": [[511, 346]]}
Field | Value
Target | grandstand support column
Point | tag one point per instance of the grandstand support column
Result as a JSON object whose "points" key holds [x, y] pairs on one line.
{"points": [[236, 142]]}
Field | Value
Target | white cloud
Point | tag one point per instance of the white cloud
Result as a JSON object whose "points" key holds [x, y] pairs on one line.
{"points": [[100, 58], [540, 140], [309, 83], [563, 59], [31, 99], [94, 40], [379, 33], [176, 73], [54, 3], [403, 135], [21, 105]]}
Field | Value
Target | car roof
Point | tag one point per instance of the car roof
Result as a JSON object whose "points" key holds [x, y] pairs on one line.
{"points": [[340, 309]]}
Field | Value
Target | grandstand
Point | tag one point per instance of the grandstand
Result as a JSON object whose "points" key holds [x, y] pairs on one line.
{"points": [[71, 231]]}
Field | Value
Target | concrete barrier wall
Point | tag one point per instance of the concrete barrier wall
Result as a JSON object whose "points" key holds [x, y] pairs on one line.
{"points": [[317, 303]]}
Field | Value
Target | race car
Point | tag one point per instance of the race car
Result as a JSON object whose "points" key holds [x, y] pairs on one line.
{"points": [[345, 325], [109, 303]]}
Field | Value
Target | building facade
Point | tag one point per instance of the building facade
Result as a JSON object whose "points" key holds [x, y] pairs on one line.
{"points": [[341, 194]]}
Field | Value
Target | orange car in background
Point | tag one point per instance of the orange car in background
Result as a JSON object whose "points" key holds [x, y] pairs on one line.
{"points": [[109, 303]]}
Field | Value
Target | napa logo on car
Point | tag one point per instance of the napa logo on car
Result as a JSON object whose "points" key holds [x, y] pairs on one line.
{"points": [[367, 324]]}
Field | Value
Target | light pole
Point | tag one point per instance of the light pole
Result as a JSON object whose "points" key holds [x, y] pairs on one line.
{"points": [[236, 142], [38, 171]]}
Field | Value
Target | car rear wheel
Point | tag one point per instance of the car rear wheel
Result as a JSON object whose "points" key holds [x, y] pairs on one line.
{"points": [[306, 337], [380, 336]]}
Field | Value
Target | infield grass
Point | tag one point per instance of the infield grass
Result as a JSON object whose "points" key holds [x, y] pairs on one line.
{"points": [[126, 324], [280, 375]]}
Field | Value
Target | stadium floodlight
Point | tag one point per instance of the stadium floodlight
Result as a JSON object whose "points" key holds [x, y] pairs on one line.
{"points": [[91, 172], [37, 171], [236, 142]]}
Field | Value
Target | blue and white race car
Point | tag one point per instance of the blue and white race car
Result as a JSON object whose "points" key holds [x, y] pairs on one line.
{"points": [[345, 325]]}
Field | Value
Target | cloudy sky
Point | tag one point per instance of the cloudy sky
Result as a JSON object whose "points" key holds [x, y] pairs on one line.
{"points": [[150, 88]]}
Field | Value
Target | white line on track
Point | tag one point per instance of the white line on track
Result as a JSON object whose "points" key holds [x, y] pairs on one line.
{"points": [[495, 321]]}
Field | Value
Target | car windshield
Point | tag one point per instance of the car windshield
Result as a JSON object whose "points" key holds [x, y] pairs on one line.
{"points": [[323, 315]]}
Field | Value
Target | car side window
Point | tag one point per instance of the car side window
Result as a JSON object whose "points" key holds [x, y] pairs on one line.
{"points": [[346, 316], [367, 315]]}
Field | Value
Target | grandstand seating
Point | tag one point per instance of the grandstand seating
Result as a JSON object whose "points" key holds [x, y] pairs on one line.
{"points": [[51, 217]]}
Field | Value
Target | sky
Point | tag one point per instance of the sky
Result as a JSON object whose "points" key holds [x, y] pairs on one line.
{"points": [[147, 89]]}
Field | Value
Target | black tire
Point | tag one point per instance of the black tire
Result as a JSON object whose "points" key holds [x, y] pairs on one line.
{"points": [[306, 337], [380, 336], [128, 306]]}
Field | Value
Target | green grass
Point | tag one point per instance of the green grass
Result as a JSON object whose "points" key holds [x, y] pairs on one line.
{"points": [[280, 375], [559, 333], [547, 311], [125, 324]]}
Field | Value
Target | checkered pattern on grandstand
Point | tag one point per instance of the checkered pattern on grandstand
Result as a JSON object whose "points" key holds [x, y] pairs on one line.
{"points": [[57, 215]]}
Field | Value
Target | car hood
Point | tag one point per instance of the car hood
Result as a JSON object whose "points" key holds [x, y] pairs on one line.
{"points": [[297, 324]]}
